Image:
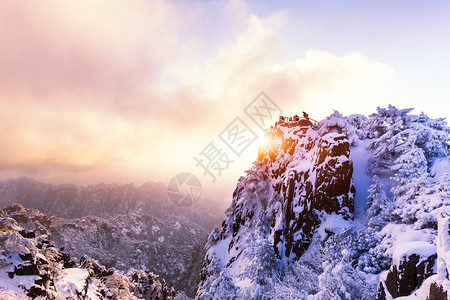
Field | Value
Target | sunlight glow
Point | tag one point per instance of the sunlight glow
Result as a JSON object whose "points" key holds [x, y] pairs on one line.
{"points": [[270, 142]]}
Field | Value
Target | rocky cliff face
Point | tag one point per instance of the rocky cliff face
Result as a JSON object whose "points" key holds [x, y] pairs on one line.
{"points": [[409, 272], [302, 174], [303, 225]]}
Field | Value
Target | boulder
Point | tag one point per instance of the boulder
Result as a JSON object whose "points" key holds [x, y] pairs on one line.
{"points": [[413, 262]]}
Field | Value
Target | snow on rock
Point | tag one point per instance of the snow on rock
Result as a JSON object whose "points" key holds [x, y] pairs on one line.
{"points": [[404, 250], [443, 252], [71, 282], [31, 265], [440, 166], [334, 223], [413, 262], [443, 243]]}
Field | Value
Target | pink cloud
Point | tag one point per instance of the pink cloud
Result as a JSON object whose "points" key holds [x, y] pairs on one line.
{"points": [[114, 89]]}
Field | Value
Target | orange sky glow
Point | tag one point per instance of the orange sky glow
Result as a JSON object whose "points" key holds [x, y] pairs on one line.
{"points": [[130, 91]]}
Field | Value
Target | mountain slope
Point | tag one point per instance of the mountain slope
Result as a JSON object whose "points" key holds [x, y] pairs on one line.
{"points": [[170, 247], [302, 176], [291, 230], [123, 226], [30, 265]]}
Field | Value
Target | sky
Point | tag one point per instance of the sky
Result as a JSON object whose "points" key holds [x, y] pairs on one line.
{"points": [[133, 91]]}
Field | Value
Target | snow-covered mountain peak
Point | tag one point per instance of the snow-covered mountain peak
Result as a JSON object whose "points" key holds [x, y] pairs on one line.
{"points": [[304, 174], [345, 193]]}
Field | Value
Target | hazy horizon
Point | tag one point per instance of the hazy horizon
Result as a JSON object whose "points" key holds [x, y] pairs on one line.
{"points": [[116, 92]]}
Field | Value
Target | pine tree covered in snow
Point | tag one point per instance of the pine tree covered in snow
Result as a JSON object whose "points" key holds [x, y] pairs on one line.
{"points": [[299, 279], [338, 280], [378, 205]]}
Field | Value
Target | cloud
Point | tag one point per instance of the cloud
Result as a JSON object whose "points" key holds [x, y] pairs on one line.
{"points": [[113, 90], [106, 47]]}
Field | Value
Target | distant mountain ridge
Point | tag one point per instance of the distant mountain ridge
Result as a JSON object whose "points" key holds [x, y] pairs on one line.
{"points": [[123, 226], [73, 201], [171, 247]]}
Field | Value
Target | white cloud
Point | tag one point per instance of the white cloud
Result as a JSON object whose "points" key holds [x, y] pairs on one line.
{"points": [[122, 91]]}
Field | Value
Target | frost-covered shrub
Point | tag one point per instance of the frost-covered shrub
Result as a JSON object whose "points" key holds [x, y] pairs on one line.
{"points": [[12, 241], [216, 282], [409, 138], [338, 123], [221, 287], [421, 203], [404, 147], [338, 280], [357, 122], [214, 236], [118, 287], [263, 262], [299, 279], [374, 259], [147, 285]]}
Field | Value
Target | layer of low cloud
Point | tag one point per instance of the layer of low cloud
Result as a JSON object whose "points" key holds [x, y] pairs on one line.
{"points": [[130, 91]]}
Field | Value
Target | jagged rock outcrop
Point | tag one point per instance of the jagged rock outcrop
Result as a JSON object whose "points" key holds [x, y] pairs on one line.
{"points": [[325, 187], [437, 292], [301, 175], [32, 220], [420, 269], [408, 274], [36, 268]]}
